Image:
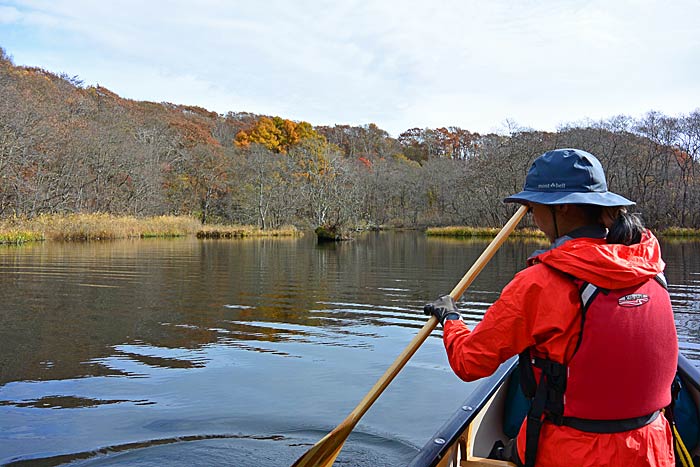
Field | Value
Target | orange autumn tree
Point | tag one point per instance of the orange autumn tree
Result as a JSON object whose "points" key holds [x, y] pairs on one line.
{"points": [[276, 134]]}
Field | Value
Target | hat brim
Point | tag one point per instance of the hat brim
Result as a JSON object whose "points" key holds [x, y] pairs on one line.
{"points": [[562, 197]]}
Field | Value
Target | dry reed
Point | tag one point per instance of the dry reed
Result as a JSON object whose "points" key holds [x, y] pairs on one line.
{"points": [[101, 226], [463, 231], [239, 231], [679, 232]]}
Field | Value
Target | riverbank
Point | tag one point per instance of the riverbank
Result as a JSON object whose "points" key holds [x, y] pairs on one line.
{"points": [[487, 232], [679, 232], [88, 227]]}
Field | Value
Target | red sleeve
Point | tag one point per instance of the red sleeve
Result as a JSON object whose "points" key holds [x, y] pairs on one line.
{"points": [[534, 309]]}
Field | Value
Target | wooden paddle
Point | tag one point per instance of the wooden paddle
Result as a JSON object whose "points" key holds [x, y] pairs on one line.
{"points": [[324, 452]]}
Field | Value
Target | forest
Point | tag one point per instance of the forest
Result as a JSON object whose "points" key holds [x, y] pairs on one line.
{"points": [[69, 148]]}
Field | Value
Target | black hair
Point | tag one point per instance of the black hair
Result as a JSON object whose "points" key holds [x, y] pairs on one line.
{"points": [[627, 229]]}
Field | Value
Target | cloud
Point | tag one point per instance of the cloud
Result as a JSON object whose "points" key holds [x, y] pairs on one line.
{"points": [[9, 15]]}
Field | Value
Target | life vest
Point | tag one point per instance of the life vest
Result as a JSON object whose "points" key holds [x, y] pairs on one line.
{"points": [[621, 372]]}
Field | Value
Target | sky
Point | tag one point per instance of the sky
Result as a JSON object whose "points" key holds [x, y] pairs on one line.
{"points": [[484, 66]]}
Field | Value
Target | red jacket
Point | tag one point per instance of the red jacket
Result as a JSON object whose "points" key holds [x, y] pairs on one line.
{"points": [[540, 309]]}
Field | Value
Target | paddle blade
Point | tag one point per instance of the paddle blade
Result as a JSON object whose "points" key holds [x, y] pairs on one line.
{"points": [[324, 452]]}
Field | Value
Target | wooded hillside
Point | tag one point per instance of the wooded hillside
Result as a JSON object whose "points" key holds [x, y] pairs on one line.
{"points": [[66, 147]]}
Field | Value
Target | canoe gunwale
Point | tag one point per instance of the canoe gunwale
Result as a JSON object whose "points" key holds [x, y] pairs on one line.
{"points": [[689, 373]]}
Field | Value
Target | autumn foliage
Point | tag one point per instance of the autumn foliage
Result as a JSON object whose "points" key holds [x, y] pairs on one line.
{"points": [[276, 134], [69, 148]]}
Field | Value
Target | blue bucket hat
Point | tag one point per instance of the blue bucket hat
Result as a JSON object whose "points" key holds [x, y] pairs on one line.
{"points": [[567, 176]]}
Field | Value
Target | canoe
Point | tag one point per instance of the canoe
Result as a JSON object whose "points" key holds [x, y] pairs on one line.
{"points": [[466, 439]]}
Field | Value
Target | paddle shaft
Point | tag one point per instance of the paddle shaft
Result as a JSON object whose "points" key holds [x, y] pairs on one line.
{"points": [[331, 444]]}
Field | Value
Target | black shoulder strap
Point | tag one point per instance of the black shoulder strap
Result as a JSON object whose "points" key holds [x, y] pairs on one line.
{"points": [[587, 292], [547, 400], [527, 375]]}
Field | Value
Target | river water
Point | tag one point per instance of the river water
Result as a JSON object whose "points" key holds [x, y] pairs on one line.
{"points": [[241, 352]]}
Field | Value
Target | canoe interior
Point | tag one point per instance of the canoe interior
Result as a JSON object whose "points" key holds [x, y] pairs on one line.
{"points": [[487, 427], [466, 439]]}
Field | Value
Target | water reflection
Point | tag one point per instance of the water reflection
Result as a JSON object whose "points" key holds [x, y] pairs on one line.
{"points": [[241, 341], [68, 402]]}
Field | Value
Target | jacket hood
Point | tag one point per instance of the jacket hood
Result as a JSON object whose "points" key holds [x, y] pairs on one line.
{"points": [[610, 266]]}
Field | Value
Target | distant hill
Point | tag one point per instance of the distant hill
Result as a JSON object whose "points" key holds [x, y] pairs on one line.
{"points": [[66, 147]]}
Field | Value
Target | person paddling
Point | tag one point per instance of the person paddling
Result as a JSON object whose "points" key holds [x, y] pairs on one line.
{"points": [[591, 321]]}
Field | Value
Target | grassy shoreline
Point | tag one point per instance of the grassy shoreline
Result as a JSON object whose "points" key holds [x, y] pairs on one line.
{"points": [[485, 232], [89, 227], [679, 232]]}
